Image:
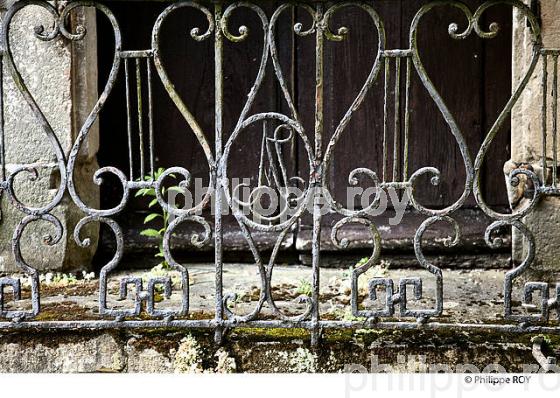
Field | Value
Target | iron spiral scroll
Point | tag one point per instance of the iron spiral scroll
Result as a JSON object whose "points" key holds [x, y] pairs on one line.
{"points": [[279, 129]]}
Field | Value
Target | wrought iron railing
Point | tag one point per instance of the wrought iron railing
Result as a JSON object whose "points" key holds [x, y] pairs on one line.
{"points": [[315, 190]]}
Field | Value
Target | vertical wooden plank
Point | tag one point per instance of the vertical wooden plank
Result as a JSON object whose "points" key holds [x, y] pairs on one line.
{"points": [[304, 81], [351, 62], [347, 66], [285, 39], [496, 91], [455, 68]]}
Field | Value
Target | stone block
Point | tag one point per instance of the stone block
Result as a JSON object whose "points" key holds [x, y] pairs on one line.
{"points": [[527, 133], [62, 77], [75, 355]]}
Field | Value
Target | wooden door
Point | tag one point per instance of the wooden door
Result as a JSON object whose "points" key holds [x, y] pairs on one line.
{"points": [[473, 75]]}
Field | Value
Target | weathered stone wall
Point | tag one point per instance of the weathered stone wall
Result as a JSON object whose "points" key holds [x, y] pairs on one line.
{"points": [[264, 351], [62, 77], [526, 133]]}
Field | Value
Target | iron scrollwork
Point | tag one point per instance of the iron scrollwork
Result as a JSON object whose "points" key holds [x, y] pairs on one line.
{"points": [[278, 130]]}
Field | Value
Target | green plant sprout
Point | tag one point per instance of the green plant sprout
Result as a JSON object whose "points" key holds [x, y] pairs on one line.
{"points": [[305, 288], [161, 217]]}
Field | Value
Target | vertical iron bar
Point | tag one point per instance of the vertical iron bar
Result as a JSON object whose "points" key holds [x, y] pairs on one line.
{"points": [[544, 116], [294, 86], [406, 119], [319, 88], [128, 119], [397, 118], [554, 119], [140, 124], [385, 117], [218, 237], [319, 174], [316, 251], [261, 178], [150, 116]]}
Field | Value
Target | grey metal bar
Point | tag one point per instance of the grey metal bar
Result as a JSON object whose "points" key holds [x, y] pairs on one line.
{"points": [[275, 324], [385, 118], [136, 54], [397, 117], [317, 215], [140, 117], [128, 120], [406, 119], [399, 293], [218, 232], [150, 116]]}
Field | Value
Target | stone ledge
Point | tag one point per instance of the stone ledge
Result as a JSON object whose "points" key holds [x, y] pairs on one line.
{"points": [[470, 296], [262, 351]]}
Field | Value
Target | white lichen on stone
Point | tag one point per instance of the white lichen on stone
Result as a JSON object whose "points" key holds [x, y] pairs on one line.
{"points": [[300, 361], [118, 362], [187, 357], [147, 361], [226, 363]]}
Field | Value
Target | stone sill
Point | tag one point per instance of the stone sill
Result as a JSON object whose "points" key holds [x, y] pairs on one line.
{"points": [[470, 296], [259, 351]]}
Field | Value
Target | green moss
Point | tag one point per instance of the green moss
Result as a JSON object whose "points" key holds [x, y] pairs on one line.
{"points": [[63, 311], [268, 334]]}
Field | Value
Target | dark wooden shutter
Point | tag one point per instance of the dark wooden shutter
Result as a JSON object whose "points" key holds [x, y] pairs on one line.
{"points": [[473, 75]]}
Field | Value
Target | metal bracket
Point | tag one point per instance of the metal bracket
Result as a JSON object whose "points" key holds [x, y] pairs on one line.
{"points": [[547, 363]]}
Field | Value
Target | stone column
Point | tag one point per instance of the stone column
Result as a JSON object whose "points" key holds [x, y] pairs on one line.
{"points": [[62, 77], [526, 139]]}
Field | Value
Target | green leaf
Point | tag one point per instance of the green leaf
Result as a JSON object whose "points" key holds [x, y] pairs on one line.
{"points": [[146, 192], [159, 255], [151, 233], [153, 203], [141, 192], [159, 172], [151, 217]]}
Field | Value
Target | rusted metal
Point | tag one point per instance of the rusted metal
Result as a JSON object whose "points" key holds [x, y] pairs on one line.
{"points": [[318, 147]]}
